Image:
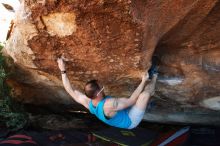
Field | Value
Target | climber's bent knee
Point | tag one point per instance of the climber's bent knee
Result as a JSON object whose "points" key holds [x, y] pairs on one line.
{"points": [[136, 115]]}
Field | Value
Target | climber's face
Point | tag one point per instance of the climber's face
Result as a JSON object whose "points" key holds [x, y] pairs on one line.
{"points": [[100, 92]]}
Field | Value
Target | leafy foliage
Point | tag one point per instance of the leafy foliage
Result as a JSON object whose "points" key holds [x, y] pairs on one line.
{"points": [[12, 114]]}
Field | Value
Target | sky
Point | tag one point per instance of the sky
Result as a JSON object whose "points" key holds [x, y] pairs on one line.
{"points": [[6, 17]]}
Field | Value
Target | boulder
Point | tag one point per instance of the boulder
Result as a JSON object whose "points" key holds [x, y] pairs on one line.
{"points": [[114, 41]]}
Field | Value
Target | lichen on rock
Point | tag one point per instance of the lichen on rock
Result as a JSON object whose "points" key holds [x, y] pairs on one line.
{"points": [[60, 24]]}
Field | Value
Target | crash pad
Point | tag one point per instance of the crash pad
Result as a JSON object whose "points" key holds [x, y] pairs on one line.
{"points": [[124, 137]]}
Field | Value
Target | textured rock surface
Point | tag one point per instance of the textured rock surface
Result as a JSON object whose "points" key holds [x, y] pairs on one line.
{"points": [[113, 41]]}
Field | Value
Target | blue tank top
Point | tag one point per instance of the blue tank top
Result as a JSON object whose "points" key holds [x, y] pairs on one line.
{"points": [[120, 119]]}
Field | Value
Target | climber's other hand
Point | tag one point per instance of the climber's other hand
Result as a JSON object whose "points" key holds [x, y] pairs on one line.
{"points": [[145, 76]]}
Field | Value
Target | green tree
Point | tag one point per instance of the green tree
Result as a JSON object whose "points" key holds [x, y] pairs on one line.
{"points": [[12, 114]]}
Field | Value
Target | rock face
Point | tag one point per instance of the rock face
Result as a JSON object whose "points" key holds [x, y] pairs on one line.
{"points": [[114, 41]]}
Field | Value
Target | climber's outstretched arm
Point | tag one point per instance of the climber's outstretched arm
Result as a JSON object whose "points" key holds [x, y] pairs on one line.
{"points": [[75, 94], [123, 103]]}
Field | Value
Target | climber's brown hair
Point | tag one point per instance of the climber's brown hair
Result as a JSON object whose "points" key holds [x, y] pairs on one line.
{"points": [[91, 88]]}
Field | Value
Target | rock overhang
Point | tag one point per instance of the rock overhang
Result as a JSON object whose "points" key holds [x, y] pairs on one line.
{"points": [[113, 41]]}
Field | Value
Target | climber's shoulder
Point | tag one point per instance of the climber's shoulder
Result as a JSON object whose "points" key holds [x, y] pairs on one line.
{"points": [[82, 99]]}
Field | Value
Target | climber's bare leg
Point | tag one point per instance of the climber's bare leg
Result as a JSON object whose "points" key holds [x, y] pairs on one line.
{"points": [[145, 95], [136, 112]]}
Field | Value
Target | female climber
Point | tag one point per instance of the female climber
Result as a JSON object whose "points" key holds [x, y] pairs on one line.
{"points": [[124, 113]]}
